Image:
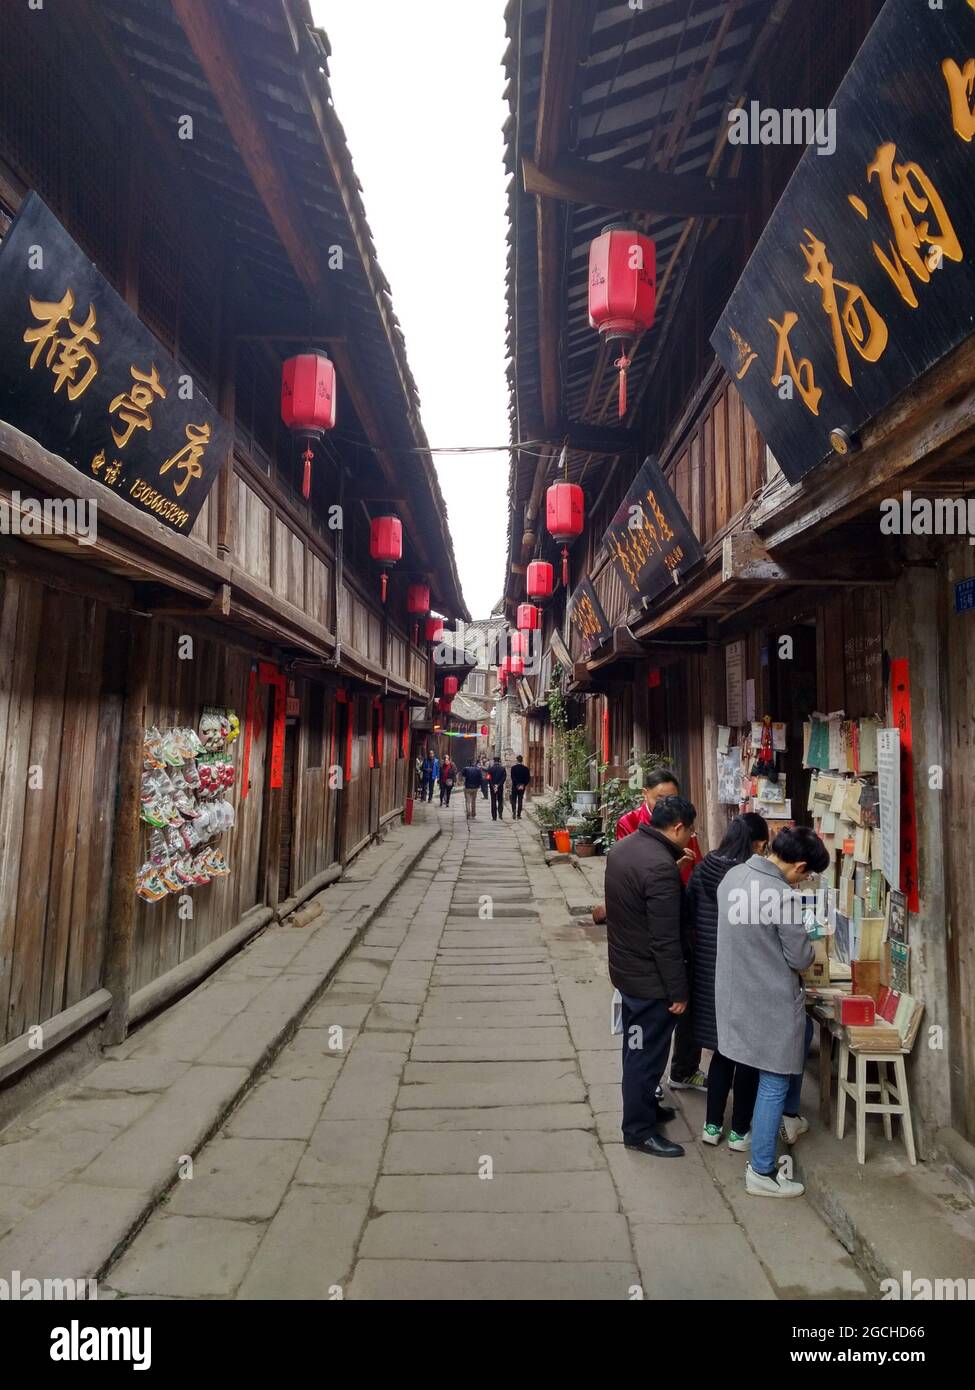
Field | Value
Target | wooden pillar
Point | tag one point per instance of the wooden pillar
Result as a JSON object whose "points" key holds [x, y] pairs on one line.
{"points": [[127, 834], [711, 816]]}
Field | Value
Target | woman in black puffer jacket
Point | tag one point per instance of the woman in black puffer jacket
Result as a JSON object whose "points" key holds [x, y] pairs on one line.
{"points": [[746, 835]]}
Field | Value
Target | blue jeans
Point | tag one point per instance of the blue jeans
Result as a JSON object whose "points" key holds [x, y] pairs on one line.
{"points": [[778, 1094]]}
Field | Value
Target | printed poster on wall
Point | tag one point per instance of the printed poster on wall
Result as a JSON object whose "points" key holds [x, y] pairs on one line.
{"points": [[889, 786]]}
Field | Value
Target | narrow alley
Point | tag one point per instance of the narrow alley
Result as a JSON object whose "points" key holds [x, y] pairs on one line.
{"points": [[464, 1140]]}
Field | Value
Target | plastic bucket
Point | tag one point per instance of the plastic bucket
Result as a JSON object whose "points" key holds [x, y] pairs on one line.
{"points": [[562, 841]]}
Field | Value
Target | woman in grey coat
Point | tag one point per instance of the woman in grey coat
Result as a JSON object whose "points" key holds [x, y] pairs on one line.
{"points": [[759, 997]]}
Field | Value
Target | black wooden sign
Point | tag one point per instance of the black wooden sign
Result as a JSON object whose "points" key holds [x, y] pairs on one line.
{"points": [[649, 539], [587, 617], [864, 277], [82, 375]]}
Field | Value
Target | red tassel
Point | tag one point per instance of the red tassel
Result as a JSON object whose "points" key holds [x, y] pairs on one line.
{"points": [[565, 567], [384, 586], [306, 478], [622, 363]]}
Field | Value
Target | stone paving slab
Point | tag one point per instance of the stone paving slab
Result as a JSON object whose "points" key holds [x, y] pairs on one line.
{"points": [[308, 1249], [567, 1115], [510, 1150], [698, 1263], [496, 1236], [344, 1153], [429, 1280], [460, 1095], [240, 1179], [187, 1257], [509, 1192], [278, 1108], [491, 1052]]}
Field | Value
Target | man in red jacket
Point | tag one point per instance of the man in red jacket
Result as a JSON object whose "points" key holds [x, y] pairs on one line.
{"points": [[685, 1065]]}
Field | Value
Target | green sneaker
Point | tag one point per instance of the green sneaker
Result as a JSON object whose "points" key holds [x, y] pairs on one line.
{"points": [[711, 1134], [697, 1081], [741, 1143]]}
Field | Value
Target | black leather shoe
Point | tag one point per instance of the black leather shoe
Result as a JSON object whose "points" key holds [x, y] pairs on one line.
{"points": [[657, 1146], [665, 1114]]}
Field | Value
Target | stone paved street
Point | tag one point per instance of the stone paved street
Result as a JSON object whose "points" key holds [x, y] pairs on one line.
{"points": [[445, 1124]]}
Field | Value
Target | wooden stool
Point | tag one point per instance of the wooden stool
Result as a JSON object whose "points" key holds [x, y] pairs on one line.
{"points": [[894, 1098]]}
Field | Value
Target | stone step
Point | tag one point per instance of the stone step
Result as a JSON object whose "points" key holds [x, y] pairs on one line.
{"points": [[498, 910]]}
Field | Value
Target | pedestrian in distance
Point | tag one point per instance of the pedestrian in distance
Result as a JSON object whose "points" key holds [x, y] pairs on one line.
{"points": [[685, 1064], [646, 934], [498, 778], [520, 777], [448, 776], [760, 999], [485, 778], [434, 776], [427, 777], [473, 778], [745, 836]]}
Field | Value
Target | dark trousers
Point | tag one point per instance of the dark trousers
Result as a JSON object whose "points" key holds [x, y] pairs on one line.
{"points": [[648, 1026], [484, 789], [517, 798], [445, 789], [687, 1055], [426, 791], [723, 1073], [497, 800]]}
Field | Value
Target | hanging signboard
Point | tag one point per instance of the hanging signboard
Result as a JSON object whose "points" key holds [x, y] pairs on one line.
{"points": [[650, 541], [81, 374], [865, 274], [734, 678], [888, 786], [900, 689], [587, 617]]}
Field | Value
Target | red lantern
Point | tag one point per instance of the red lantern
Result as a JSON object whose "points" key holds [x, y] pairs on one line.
{"points": [[308, 402], [519, 643], [517, 667], [433, 629], [386, 543], [450, 686], [529, 617], [622, 290], [417, 601], [504, 668], [484, 731], [541, 581], [565, 510]]}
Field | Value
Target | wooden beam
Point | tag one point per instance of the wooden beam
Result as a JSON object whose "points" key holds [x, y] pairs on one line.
{"points": [[574, 180], [205, 29], [600, 439], [566, 26]]}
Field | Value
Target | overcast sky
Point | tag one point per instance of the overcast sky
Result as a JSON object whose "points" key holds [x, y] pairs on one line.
{"points": [[418, 87]]}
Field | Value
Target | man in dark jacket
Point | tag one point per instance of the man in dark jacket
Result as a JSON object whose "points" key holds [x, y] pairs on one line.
{"points": [[498, 778], [472, 780], [520, 777], [646, 932]]}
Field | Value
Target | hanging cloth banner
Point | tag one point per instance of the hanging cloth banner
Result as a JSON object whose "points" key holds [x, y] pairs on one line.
{"points": [[900, 684], [268, 674], [248, 734]]}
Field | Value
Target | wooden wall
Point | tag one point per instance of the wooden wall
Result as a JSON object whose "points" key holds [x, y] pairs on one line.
{"points": [[61, 679]]}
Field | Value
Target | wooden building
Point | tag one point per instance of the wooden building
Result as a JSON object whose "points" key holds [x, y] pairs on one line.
{"points": [[192, 152], [621, 113]]}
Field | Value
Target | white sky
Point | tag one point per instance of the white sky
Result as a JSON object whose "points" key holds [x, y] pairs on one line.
{"points": [[418, 86]]}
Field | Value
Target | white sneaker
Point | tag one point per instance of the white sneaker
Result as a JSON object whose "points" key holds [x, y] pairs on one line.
{"points": [[758, 1185], [791, 1127], [711, 1134], [741, 1143]]}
